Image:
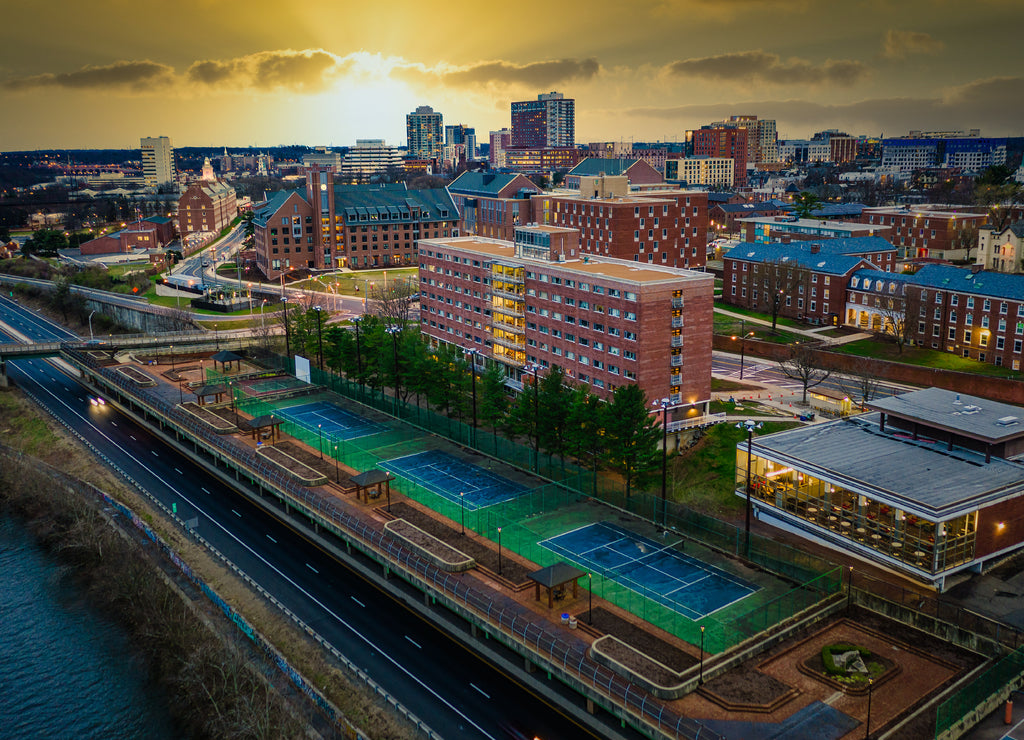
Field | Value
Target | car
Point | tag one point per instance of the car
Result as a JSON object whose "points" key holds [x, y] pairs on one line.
{"points": [[97, 401]]}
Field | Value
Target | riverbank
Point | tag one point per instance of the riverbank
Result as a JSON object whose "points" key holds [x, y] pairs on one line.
{"points": [[216, 682]]}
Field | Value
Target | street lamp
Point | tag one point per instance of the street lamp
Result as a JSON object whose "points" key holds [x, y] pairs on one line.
{"points": [[665, 404], [472, 372], [90, 325], [287, 334], [535, 370], [172, 358], [867, 722], [262, 325], [700, 678], [743, 343], [499, 551], [337, 472], [320, 432], [319, 337], [394, 332], [749, 426], [462, 504], [359, 353], [590, 598]]}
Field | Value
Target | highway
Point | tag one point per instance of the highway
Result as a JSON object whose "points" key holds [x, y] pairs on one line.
{"points": [[450, 689]]}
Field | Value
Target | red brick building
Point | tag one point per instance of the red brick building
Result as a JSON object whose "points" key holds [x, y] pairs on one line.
{"points": [[283, 237], [667, 227], [206, 206], [606, 322], [928, 232], [492, 205], [542, 159], [636, 171], [155, 232], [724, 141]]}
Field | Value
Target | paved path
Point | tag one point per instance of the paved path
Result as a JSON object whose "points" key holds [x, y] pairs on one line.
{"points": [[812, 332]]}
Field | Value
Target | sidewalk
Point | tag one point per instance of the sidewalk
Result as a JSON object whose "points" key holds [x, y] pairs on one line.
{"points": [[812, 333]]}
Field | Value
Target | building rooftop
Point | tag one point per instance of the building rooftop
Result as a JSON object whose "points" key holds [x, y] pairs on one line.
{"points": [[962, 280], [917, 476], [971, 416], [824, 261], [600, 165], [487, 184], [784, 222]]}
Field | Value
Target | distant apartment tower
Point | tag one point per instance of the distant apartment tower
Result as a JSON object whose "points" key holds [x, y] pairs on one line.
{"points": [[425, 130], [711, 171], [323, 157], [500, 141], [724, 140], [462, 134], [369, 157], [549, 121], [762, 138], [158, 161]]}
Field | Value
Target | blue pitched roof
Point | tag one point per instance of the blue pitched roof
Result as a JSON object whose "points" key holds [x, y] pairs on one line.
{"points": [[838, 209], [392, 203], [157, 219], [597, 165], [829, 262], [487, 184], [962, 280], [754, 208], [273, 204]]}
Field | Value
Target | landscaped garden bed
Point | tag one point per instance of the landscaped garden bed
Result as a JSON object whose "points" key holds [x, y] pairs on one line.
{"points": [[304, 474], [627, 661], [746, 689], [136, 376], [440, 553], [216, 421], [849, 667]]}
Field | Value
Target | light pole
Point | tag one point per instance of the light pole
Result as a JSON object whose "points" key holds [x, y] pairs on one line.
{"points": [[462, 504], [287, 334], [90, 325], [337, 471], [172, 358], [262, 325], [590, 598], [743, 343], [700, 678], [472, 372], [359, 352], [749, 426], [394, 331], [535, 371], [319, 337], [665, 404], [499, 551], [320, 433], [867, 722]]}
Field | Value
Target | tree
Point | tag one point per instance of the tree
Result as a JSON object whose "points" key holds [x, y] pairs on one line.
{"points": [[1001, 201], [392, 302], [861, 382], [804, 365], [632, 435], [775, 282], [805, 203], [585, 428], [249, 228], [899, 312], [554, 402], [45, 243], [493, 400]]}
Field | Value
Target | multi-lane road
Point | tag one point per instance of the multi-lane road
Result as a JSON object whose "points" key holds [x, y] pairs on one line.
{"points": [[435, 677]]}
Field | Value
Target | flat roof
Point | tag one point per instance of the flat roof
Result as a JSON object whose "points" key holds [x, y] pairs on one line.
{"points": [[916, 476], [970, 416]]}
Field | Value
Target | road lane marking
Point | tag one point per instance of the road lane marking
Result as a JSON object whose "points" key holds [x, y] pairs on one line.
{"points": [[133, 437], [312, 568], [236, 513], [155, 453], [203, 490], [358, 601], [178, 472], [486, 695], [413, 642], [271, 539]]}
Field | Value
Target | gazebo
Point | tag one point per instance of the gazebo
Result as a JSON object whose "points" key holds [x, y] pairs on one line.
{"points": [[259, 423], [225, 357], [372, 479], [553, 578], [205, 391]]}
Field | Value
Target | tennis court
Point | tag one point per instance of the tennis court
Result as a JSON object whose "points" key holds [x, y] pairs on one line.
{"points": [[683, 583], [265, 386], [449, 477], [334, 421]]}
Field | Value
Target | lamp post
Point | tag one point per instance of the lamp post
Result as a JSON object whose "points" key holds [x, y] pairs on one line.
{"points": [[319, 337], [462, 504], [665, 404], [320, 433], [472, 373], [535, 371], [499, 551], [743, 343], [867, 722], [590, 598], [231, 392], [287, 333], [90, 325], [359, 353], [749, 426], [700, 677], [262, 325], [394, 331], [172, 358], [337, 471]]}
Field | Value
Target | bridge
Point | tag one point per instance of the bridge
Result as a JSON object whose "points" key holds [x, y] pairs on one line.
{"points": [[31, 350]]}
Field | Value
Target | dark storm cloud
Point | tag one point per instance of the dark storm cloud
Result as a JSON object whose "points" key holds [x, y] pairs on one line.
{"points": [[534, 74], [762, 67], [131, 74], [1002, 98], [900, 44], [268, 70]]}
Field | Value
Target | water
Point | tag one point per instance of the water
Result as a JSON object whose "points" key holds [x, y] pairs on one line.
{"points": [[64, 671]]}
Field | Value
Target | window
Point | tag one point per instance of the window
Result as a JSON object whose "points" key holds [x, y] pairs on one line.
{"points": [[967, 336]]}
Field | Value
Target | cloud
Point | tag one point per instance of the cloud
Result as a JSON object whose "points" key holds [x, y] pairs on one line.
{"points": [[503, 73], [309, 69], [762, 67], [901, 44], [135, 75], [957, 108]]}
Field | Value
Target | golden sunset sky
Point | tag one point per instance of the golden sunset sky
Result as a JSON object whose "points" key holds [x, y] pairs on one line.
{"points": [[103, 73]]}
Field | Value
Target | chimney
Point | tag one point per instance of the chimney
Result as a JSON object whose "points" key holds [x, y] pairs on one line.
{"points": [[815, 248], [975, 269]]}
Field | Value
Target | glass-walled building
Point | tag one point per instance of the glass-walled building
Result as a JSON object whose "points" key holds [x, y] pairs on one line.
{"points": [[921, 485]]}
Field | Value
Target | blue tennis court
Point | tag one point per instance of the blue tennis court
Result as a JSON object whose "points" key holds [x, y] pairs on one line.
{"points": [[448, 476], [681, 582], [333, 421]]}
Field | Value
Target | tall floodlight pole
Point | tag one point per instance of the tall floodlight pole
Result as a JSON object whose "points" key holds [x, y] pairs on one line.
{"points": [[287, 333], [472, 372], [664, 404], [749, 426], [319, 337]]}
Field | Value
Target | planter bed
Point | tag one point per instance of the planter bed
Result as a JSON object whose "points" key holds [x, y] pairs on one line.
{"points": [[136, 376], [440, 553], [211, 419], [304, 474]]}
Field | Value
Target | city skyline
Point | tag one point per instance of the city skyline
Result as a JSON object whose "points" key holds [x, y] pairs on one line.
{"points": [[326, 74]]}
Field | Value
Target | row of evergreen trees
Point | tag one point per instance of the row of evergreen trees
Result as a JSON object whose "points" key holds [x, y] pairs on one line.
{"points": [[561, 419]]}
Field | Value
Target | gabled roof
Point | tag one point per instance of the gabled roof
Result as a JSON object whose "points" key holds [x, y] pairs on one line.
{"points": [[273, 204], [597, 165], [157, 219], [487, 184], [962, 280], [393, 202], [838, 209], [755, 208], [826, 262]]}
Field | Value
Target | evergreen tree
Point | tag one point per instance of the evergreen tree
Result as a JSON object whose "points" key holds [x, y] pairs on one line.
{"points": [[632, 435]]}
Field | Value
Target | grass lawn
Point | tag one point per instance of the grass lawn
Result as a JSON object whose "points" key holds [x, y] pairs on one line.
{"points": [[125, 268], [886, 350], [782, 321], [728, 326], [704, 476], [355, 283], [721, 384]]}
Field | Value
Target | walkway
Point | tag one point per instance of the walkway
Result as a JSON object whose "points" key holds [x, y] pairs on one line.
{"points": [[812, 333]]}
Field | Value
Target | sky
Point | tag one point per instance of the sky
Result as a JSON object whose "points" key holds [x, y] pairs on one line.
{"points": [[103, 73]]}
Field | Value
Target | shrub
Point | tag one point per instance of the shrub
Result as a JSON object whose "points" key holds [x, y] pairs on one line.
{"points": [[840, 647]]}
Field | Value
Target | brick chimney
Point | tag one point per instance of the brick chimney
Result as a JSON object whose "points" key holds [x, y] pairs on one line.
{"points": [[815, 248]]}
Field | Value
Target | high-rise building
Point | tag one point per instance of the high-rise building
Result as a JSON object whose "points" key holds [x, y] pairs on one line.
{"points": [[462, 134], [369, 157], [762, 137], [548, 121], [323, 157], [500, 141], [158, 161], [724, 140], [425, 130]]}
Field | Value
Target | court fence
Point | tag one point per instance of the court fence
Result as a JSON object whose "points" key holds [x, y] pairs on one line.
{"points": [[998, 680]]}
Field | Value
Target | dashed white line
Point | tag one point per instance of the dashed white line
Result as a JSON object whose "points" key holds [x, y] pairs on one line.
{"points": [[178, 472], [486, 695], [358, 601], [271, 539], [203, 490], [132, 437], [413, 642], [155, 453], [236, 513], [113, 423], [312, 568]]}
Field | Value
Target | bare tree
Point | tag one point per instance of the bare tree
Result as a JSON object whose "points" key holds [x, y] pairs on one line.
{"points": [[899, 312], [861, 382], [778, 283], [804, 364], [393, 302]]}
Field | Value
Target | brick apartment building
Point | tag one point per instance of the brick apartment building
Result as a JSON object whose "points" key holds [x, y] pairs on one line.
{"points": [[537, 300], [725, 216], [968, 312], [206, 206], [727, 141], [790, 229], [928, 232], [542, 159], [664, 227], [283, 237], [811, 278], [492, 205], [636, 171], [154, 232]]}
